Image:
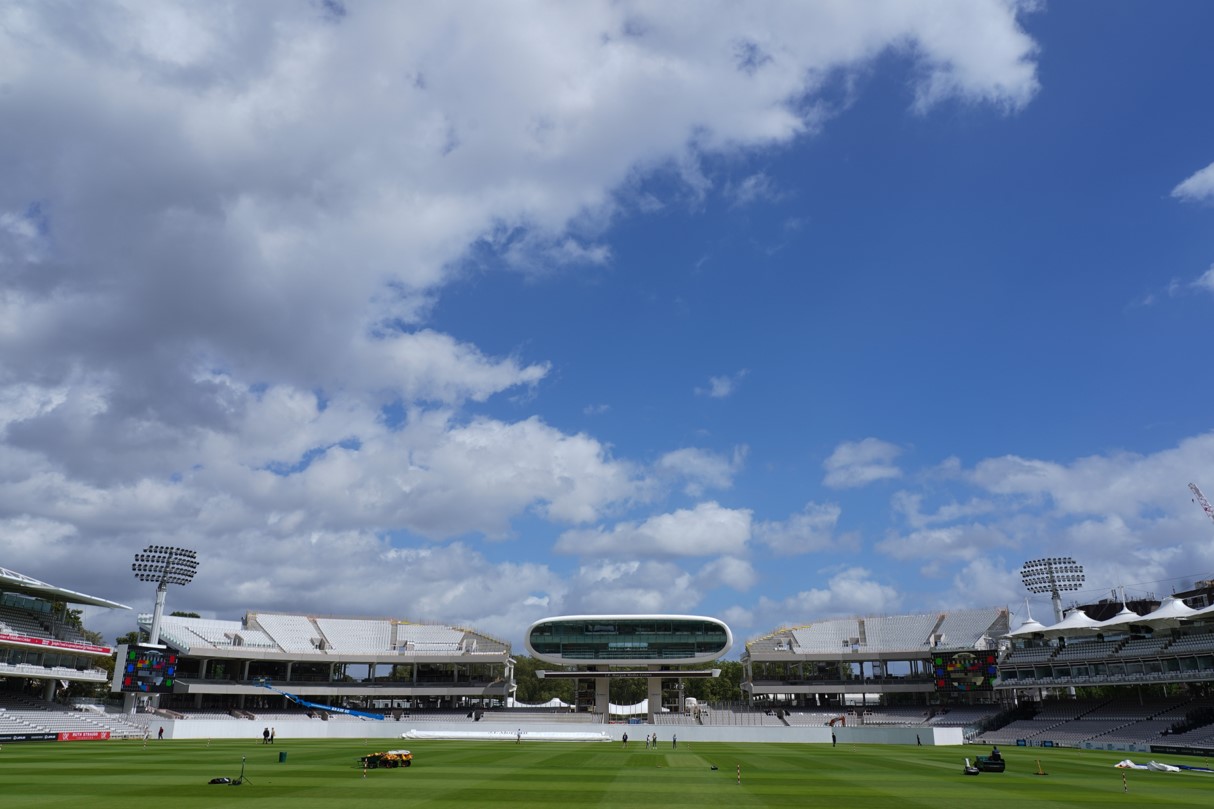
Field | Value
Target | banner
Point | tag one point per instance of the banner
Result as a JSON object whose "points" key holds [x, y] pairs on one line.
{"points": [[28, 737], [84, 735], [56, 644]]}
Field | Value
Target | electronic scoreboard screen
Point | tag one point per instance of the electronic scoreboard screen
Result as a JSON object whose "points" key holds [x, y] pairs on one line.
{"points": [[148, 670], [965, 671]]}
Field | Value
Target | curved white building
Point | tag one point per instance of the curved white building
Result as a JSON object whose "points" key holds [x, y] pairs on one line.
{"points": [[628, 640]]}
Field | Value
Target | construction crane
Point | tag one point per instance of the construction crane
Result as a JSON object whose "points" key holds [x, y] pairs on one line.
{"points": [[1202, 501]]}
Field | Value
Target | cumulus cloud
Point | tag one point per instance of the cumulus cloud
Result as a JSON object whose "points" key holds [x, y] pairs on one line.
{"points": [[729, 571], [1197, 187], [847, 591], [910, 506], [701, 469], [632, 587], [722, 387], [706, 530], [224, 230], [1206, 280], [810, 530], [953, 542], [1118, 483], [858, 463]]}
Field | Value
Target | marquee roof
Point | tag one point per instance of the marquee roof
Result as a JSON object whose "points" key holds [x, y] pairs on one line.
{"points": [[13, 582]]}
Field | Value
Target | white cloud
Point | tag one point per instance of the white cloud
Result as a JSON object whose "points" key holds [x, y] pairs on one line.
{"points": [[1197, 187], [954, 542], [1120, 483], [809, 531], [224, 229], [858, 463], [849, 591], [706, 530], [728, 571], [758, 187], [701, 469], [722, 387], [632, 587], [910, 505], [1206, 280]]}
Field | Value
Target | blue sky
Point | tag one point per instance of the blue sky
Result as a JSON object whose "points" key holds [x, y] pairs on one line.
{"points": [[772, 315]]}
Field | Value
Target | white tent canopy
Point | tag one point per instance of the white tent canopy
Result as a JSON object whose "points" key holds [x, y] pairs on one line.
{"points": [[1031, 626], [1169, 613], [1076, 622], [555, 702], [1124, 618]]}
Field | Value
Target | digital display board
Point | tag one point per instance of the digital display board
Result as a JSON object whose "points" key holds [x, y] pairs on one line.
{"points": [[965, 671], [148, 670]]}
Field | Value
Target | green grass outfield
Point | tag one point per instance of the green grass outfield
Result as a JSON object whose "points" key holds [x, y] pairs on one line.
{"points": [[324, 773]]}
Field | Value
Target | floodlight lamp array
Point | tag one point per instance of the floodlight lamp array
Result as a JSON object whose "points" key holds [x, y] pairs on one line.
{"points": [[1052, 574], [165, 564]]}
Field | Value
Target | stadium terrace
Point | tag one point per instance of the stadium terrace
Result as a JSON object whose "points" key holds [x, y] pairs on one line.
{"points": [[1111, 675]]}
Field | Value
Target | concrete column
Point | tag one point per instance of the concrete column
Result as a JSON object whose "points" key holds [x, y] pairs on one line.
{"points": [[655, 696], [602, 697]]}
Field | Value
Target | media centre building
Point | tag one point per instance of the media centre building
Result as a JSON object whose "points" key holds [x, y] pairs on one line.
{"points": [[592, 649]]}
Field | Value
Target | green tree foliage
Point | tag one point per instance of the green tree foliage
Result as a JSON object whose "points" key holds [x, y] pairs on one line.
{"points": [[531, 689], [628, 690], [180, 614], [132, 637]]}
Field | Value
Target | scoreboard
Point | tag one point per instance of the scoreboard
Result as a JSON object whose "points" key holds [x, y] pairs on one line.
{"points": [[965, 671], [146, 670]]}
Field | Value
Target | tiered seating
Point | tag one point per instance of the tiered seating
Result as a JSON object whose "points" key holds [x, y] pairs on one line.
{"points": [[1132, 711], [1203, 642], [811, 719], [1020, 729], [827, 636], [1086, 650], [292, 633], [476, 643], [1059, 711], [899, 632], [33, 715], [964, 628], [511, 716], [740, 717], [1033, 654], [1142, 647], [20, 622], [423, 638], [354, 635], [894, 715], [781, 641], [1146, 731], [963, 715], [1082, 730]]}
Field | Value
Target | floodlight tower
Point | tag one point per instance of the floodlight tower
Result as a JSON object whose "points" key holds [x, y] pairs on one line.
{"points": [[164, 565], [1052, 575]]}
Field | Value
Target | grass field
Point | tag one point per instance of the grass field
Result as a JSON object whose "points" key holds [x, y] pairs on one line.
{"points": [[101, 775]]}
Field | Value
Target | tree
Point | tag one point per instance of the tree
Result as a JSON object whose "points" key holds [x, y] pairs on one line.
{"points": [[531, 689], [131, 638], [180, 614]]}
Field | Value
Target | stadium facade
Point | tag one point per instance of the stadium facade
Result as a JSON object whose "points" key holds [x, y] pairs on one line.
{"points": [[939, 677], [38, 643], [393, 664], [924, 658]]}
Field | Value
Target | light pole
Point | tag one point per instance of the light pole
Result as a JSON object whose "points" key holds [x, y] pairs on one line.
{"points": [[164, 565], [1052, 575]]}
